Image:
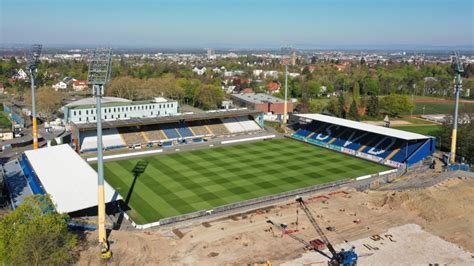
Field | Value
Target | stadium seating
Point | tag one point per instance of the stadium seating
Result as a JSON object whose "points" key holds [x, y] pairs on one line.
{"points": [[132, 135], [111, 139], [233, 125], [248, 124], [199, 128], [170, 131], [154, 133], [184, 130], [363, 142], [217, 128]]}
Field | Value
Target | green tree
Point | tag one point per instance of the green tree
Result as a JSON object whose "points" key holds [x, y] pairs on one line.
{"points": [[356, 91], [353, 110], [34, 234], [395, 104], [342, 104], [208, 96], [373, 106]]}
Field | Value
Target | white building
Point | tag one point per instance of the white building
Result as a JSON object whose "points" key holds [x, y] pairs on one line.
{"points": [[21, 74], [257, 72], [270, 73], [83, 111], [60, 86], [199, 70]]}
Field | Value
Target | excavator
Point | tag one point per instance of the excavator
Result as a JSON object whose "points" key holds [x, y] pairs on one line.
{"points": [[343, 257]]}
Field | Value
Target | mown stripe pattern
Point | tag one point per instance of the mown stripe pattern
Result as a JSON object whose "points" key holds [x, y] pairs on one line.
{"points": [[180, 183]]}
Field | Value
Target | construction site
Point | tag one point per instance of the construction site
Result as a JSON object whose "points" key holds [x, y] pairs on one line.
{"points": [[420, 218]]}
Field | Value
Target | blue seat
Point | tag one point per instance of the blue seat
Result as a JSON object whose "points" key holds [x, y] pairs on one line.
{"points": [[406, 151], [185, 132]]}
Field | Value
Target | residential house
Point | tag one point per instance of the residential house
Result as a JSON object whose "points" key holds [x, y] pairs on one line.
{"points": [[79, 85], [273, 87], [199, 70], [60, 86]]}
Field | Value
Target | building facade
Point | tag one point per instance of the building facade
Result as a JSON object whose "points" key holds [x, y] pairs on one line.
{"points": [[262, 102], [84, 111]]}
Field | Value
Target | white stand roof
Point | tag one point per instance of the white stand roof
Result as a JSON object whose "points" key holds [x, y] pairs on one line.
{"points": [[400, 134], [70, 180]]}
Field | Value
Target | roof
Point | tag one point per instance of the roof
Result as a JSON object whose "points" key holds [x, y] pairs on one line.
{"points": [[167, 119], [273, 86], [400, 134], [257, 98], [91, 101], [71, 182], [88, 103]]}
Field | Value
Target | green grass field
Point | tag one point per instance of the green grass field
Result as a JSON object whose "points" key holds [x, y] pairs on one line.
{"points": [[179, 183], [430, 130], [439, 108]]}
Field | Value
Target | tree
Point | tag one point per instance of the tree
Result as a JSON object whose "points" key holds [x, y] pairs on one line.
{"points": [[208, 96], [126, 87], [48, 101], [354, 110], [396, 104], [333, 107], [356, 91], [34, 234], [342, 104], [373, 106]]}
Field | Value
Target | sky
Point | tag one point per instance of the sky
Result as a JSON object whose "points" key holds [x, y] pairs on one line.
{"points": [[238, 23]]}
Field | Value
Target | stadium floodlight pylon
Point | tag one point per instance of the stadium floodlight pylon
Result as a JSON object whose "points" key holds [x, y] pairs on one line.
{"points": [[458, 68], [98, 77], [33, 60], [285, 61]]}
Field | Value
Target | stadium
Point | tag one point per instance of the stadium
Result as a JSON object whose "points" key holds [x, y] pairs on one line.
{"points": [[201, 165]]}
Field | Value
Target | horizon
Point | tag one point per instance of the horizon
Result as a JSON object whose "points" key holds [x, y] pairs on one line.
{"points": [[322, 24]]}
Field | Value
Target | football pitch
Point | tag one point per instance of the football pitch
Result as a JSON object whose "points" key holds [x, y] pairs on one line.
{"points": [[172, 184]]}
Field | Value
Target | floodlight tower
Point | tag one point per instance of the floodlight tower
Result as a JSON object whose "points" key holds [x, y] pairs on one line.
{"points": [[33, 60], [98, 77], [285, 61], [458, 68]]}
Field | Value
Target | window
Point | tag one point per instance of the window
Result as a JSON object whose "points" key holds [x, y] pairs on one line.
{"points": [[112, 116], [151, 112], [119, 116], [87, 119], [79, 119], [125, 115], [87, 112], [79, 112], [74, 112], [94, 117], [106, 117]]}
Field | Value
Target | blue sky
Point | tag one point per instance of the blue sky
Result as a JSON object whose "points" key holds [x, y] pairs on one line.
{"points": [[238, 23]]}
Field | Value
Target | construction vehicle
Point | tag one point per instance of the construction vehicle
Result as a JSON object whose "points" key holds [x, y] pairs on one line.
{"points": [[343, 257]]}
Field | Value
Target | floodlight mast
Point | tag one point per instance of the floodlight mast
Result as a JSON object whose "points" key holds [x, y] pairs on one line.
{"points": [[33, 60], [98, 77], [285, 61], [457, 89]]}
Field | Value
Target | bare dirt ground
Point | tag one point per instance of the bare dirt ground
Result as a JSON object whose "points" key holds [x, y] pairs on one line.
{"points": [[437, 219]]}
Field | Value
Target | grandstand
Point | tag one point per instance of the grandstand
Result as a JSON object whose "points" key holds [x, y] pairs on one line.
{"points": [[59, 172], [166, 131], [111, 140], [384, 145]]}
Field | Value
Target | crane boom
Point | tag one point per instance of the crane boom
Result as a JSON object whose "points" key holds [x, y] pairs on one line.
{"points": [[316, 225], [302, 241]]}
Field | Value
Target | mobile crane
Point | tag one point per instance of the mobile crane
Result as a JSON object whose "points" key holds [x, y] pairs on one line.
{"points": [[342, 257]]}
